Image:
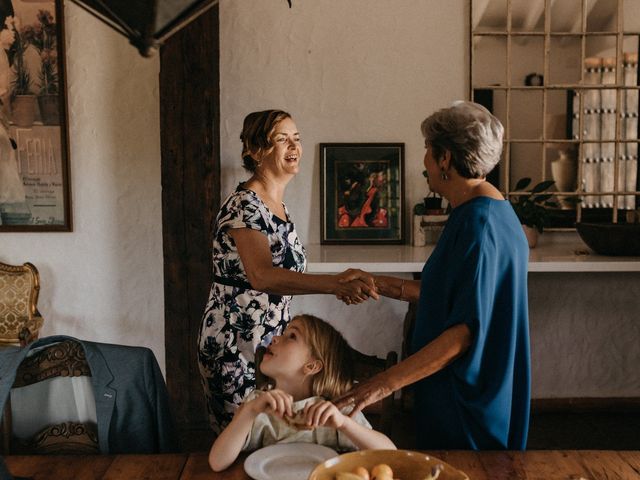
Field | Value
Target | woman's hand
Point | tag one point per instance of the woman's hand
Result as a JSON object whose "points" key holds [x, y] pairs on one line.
{"points": [[273, 401], [356, 286], [366, 393], [357, 274], [354, 292], [323, 414]]}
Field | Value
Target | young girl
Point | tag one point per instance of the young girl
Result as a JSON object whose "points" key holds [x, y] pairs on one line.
{"points": [[307, 364]]}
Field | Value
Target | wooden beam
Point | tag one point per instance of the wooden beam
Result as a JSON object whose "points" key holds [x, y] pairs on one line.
{"points": [[190, 146]]}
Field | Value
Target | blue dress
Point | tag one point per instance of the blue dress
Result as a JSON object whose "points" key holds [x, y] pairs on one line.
{"points": [[476, 275]]}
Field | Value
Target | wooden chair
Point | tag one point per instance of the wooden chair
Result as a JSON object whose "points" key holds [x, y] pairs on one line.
{"points": [[20, 321], [64, 359], [379, 414], [407, 395]]}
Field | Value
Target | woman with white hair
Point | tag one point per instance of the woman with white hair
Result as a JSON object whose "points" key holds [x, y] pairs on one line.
{"points": [[469, 362]]}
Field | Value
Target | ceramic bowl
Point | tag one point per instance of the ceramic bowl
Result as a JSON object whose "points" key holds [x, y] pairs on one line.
{"points": [[611, 238], [406, 465]]}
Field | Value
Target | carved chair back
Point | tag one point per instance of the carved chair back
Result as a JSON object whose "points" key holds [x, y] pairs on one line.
{"points": [[59, 362], [379, 414], [20, 321]]}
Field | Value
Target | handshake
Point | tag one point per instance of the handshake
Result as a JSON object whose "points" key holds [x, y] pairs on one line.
{"points": [[355, 286]]}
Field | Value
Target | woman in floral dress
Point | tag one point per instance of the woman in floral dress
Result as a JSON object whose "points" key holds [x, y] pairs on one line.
{"points": [[258, 263]]}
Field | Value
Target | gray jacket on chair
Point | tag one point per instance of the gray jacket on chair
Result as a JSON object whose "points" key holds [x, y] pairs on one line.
{"points": [[132, 404]]}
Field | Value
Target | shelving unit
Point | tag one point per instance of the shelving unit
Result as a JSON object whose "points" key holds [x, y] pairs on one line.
{"points": [[511, 40]]}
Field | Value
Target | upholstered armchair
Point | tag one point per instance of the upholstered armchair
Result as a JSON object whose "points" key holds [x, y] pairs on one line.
{"points": [[20, 320]]}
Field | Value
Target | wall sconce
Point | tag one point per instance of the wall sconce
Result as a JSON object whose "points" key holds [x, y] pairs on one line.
{"points": [[147, 23]]}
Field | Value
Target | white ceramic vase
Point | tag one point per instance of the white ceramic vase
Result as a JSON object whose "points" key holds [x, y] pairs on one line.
{"points": [[564, 172]]}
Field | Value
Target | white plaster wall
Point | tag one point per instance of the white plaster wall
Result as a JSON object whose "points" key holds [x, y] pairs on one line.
{"points": [[104, 280], [356, 71], [349, 71], [363, 71], [585, 334]]}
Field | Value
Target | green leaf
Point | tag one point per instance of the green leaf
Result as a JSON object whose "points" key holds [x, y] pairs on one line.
{"points": [[523, 183], [542, 198], [542, 186]]}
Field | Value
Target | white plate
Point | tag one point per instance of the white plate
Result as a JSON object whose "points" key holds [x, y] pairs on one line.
{"points": [[286, 461]]}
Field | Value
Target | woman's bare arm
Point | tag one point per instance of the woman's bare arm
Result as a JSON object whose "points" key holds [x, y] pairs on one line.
{"points": [[398, 288], [433, 357], [255, 254], [392, 287]]}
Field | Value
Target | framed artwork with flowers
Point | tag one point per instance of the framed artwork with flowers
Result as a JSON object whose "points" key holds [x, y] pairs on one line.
{"points": [[362, 193], [34, 164]]}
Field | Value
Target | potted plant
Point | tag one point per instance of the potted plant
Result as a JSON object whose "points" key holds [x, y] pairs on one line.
{"points": [[23, 101], [42, 36], [532, 207]]}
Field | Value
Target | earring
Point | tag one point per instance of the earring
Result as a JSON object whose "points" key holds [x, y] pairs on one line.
{"points": [[444, 176]]}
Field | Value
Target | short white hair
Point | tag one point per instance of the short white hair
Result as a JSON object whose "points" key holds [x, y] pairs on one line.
{"points": [[472, 135]]}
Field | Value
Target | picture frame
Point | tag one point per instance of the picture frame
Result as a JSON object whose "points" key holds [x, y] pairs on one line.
{"points": [[35, 193], [362, 193]]}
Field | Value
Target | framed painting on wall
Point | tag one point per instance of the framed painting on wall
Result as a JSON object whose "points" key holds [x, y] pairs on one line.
{"points": [[362, 192], [34, 165]]}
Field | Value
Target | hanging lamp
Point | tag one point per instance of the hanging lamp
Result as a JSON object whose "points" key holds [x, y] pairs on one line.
{"points": [[147, 23]]}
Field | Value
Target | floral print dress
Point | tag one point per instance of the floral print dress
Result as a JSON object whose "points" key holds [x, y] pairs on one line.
{"points": [[238, 319]]}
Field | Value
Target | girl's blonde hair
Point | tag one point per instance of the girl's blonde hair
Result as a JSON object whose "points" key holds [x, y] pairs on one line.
{"points": [[330, 347]]}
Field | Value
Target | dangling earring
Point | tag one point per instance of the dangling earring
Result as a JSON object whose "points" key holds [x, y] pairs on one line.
{"points": [[444, 176]]}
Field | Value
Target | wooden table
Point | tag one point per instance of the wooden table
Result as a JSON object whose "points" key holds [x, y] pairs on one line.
{"points": [[530, 465]]}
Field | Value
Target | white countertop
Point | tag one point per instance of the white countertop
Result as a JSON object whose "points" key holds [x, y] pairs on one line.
{"points": [[555, 252]]}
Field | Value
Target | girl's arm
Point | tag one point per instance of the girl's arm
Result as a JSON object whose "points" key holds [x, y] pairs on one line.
{"points": [[253, 248], [365, 438], [229, 443], [326, 414]]}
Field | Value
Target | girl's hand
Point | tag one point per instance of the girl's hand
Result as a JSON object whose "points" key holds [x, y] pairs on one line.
{"points": [[323, 414], [273, 401]]}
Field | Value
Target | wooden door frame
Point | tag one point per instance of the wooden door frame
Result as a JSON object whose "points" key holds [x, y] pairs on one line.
{"points": [[190, 149]]}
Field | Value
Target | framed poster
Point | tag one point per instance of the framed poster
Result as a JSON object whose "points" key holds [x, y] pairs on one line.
{"points": [[362, 193], [34, 164]]}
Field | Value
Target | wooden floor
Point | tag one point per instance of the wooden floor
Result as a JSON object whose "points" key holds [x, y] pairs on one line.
{"points": [[547, 431], [565, 431], [585, 431]]}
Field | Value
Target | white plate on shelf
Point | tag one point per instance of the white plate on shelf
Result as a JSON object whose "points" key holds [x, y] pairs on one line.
{"points": [[286, 461]]}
